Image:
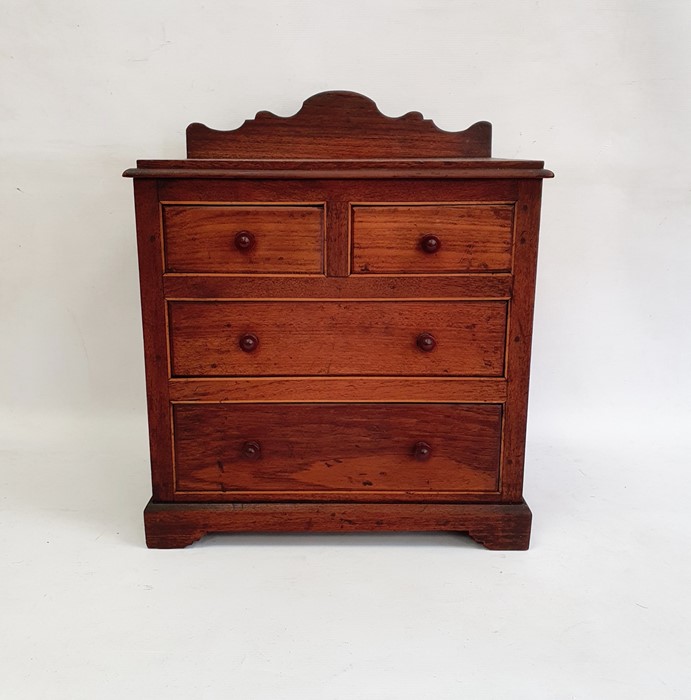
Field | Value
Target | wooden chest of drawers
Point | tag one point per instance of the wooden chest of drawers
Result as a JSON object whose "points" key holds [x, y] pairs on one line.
{"points": [[337, 313]]}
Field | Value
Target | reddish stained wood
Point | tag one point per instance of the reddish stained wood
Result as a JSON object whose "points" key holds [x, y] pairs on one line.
{"points": [[284, 239], [337, 237], [337, 448], [317, 165], [491, 286], [357, 191], [349, 126], [364, 174], [494, 525], [470, 238], [149, 247], [337, 152], [322, 496], [519, 339], [344, 389], [337, 338]]}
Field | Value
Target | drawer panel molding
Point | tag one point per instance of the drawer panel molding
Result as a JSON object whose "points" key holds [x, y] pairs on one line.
{"points": [[244, 239], [369, 338], [337, 447], [432, 238]]}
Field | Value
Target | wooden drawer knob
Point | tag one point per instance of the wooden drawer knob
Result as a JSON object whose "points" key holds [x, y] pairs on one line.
{"points": [[249, 342], [422, 451], [430, 243], [244, 241], [426, 342], [251, 449]]}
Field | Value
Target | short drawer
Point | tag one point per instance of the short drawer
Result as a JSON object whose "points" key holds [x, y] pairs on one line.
{"points": [[337, 447], [274, 338], [243, 239], [432, 238]]}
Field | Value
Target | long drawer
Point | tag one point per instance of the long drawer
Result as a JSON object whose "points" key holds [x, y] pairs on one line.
{"points": [[366, 338], [336, 447]]}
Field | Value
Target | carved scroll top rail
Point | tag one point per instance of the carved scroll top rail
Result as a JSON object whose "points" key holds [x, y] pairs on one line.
{"points": [[338, 125]]}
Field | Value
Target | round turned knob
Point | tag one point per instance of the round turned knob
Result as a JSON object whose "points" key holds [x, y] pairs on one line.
{"points": [[430, 243], [251, 449], [422, 451], [426, 342], [249, 342], [244, 241]]}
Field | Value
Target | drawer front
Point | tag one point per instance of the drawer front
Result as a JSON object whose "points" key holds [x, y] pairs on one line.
{"points": [[337, 447], [237, 239], [265, 338], [432, 239]]}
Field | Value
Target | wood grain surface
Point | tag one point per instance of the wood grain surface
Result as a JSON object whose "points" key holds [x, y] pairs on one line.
{"points": [[472, 238], [154, 326], [337, 314], [314, 166], [337, 447], [344, 389], [337, 338], [519, 338], [285, 239], [348, 125], [408, 189], [474, 286], [495, 525]]}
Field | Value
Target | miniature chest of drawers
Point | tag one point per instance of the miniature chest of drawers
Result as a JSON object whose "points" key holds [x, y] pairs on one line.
{"points": [[337, 312]]}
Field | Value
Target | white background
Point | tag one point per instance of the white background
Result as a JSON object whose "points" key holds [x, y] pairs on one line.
{"points": [[600, 605]]}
